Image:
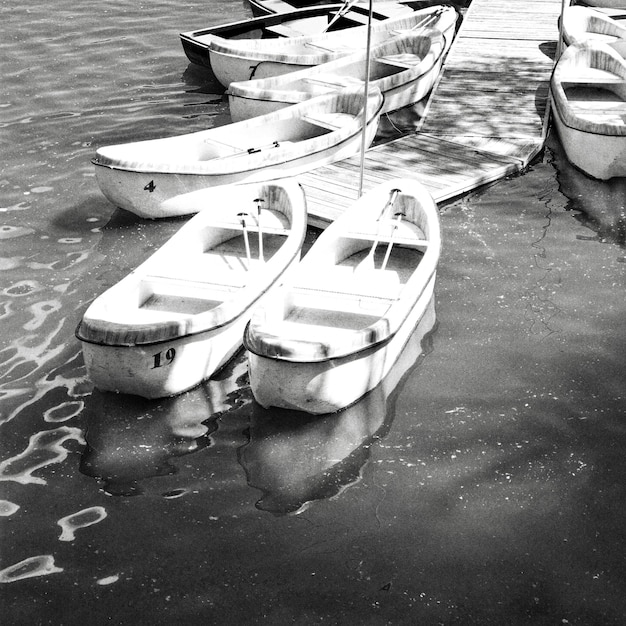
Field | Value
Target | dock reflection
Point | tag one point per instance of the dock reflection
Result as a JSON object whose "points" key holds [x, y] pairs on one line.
{"points": [[130, 438], [295, 458]]}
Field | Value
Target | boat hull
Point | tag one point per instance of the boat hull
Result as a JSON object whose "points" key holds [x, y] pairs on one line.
{"points": [[163, 369], [328, 386], [599, 156]]}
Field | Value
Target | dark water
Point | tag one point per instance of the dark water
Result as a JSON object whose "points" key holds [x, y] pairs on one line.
{"points": [[482, 484]]}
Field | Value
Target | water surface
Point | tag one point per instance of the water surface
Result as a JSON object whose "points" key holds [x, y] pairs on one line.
{"points": [[483, 484]]}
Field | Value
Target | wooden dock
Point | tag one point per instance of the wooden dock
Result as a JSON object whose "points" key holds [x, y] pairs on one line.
{"points": [[486, 118]]}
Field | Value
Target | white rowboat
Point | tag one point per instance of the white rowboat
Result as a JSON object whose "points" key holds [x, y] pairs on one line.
{"points": [[404, 69], [333, 331], [293, 23], [239, 60], [588, 99], [151, 178], [582, 24], [179, 317]]}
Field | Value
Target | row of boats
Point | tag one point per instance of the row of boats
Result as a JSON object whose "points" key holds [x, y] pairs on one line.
{"points": [[324, 119], [588, 88], [321, 330]]}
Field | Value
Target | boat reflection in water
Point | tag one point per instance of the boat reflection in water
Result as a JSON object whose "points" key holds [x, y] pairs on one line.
{"points": [[295, 458], [130, 438], [602, 202]]}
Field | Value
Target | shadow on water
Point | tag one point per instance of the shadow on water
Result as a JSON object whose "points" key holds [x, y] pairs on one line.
{"points": [[130, 438], [601, 204], [294, 458]]}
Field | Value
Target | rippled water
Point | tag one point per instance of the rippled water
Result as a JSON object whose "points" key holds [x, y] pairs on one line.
{"points": [[483, 484]]}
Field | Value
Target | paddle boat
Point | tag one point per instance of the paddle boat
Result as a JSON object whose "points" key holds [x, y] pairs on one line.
{"points": [[152, 178], [581, 24], [588, 100], [335, 328], [404, 69], [292, 23], [179, 317], [247, 59]]}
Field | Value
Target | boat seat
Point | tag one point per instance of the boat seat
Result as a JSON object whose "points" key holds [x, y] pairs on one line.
{"points": [[407, 61], [411, 236], [335, 82], [330, 121], [282, 30], [272, 222], [357, 18], [345, 280]]}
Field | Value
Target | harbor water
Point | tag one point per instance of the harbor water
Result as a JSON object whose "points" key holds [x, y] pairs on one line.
{"points": [[481, 483]]}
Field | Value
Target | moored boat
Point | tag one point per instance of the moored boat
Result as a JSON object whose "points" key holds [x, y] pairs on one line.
{"points": [[272, 26], [152, 178], [404, 69], [582, 24], [179, 317], [335, 328], [247, 59], [588, 101]]}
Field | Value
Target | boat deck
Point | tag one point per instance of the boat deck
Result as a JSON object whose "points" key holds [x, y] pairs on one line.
{"points": [[485, 120]]}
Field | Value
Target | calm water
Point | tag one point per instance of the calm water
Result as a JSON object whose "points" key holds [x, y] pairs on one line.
{"points": [[483, 483]]}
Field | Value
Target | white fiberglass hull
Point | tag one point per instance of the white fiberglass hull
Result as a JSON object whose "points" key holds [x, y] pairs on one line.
{"points": [[163, 369], [331, 385]]}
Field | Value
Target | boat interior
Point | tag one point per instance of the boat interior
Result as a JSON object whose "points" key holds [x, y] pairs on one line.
{"points": [[230, 260]]}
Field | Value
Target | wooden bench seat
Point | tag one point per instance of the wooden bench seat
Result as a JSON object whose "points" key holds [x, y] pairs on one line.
{"points": [[406, 61], [330, 121], [282, 30]]}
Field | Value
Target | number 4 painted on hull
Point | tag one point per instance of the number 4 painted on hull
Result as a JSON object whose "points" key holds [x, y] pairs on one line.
{"points": [[150, 187], [159, 361]]}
